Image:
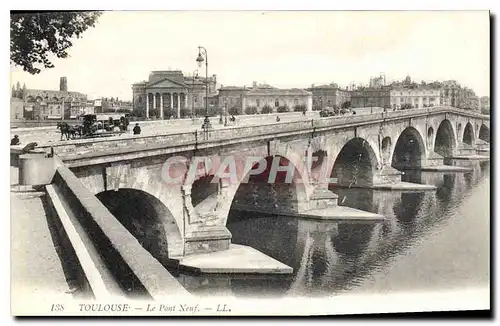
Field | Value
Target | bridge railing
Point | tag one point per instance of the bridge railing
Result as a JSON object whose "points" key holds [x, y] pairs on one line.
{"points": [[127, 142]]}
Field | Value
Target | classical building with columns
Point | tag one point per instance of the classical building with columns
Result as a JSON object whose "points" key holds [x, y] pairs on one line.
{"points": [[171, 94]]}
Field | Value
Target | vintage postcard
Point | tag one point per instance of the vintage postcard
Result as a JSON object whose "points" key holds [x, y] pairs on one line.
{"points": [[247, 163]]}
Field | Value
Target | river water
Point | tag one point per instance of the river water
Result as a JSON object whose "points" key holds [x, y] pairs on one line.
{"points": [[433, 240]]}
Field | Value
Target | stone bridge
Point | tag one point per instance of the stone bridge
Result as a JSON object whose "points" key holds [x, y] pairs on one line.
{"points": [[189, 216]]}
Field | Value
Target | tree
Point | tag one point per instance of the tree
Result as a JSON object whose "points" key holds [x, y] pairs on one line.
{"points": [[234, 110], [266, 109], [251, 110], [299, 108], [35, 36], [14, 94], [346, 105], [283, 108]]}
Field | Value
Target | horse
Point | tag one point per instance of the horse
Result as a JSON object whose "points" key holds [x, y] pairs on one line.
{"points": [[69, 131], [64, 127]]}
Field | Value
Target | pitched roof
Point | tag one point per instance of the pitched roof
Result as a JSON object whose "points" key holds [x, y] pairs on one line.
{"points": [[166, 82]]}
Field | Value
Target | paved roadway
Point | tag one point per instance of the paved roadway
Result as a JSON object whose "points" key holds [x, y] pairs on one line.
{"points": [[50, 135]]}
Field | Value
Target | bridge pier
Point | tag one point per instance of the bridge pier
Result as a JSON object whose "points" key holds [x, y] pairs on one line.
{"points": [[386, 174], [207, 239]]}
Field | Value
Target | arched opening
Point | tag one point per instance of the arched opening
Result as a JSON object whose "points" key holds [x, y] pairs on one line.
{"points": [[468, 134], [276, 192], [204, 191], [319, 158], [484, 133], [445, 139], [430, 135], [355, 164], [409, 150], [386, 149], [147, 219]]}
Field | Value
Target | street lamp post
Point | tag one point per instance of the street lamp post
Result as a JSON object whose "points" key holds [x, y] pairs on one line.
{"points": [[200, 59], [195, 76], [225, 112]]}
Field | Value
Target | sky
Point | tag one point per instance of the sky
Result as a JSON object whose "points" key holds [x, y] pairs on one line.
{"points": [[281, 48]]}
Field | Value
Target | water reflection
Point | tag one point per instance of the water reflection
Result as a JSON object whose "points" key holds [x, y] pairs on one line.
{"points": [[333, 257]]}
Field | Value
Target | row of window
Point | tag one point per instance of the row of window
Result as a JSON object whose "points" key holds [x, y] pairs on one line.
{"points": [[409, 99], [195, 98], [232, 101], [416, 93]]}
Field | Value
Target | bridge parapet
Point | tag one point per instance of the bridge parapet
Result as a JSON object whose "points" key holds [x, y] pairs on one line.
{"points": [[130, 263], [130, 143]]}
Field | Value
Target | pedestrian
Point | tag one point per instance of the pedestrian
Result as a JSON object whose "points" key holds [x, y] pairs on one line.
{"points": [[278, 118], [304, 112], [137, 129], [15, 140]]}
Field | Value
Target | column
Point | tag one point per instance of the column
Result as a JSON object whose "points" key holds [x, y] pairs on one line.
{"points": [[171, 100], [185, 100], [147, 105], [178, 105], [309, 103], [154, 100], [161, 105]]}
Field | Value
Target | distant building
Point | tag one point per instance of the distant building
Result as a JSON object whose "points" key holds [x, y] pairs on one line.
{"points": [[329, 96], [49, 104], [264, 99], [376, 82], [485, 104], [171, 94], [89, 108], [16, 108], [371, 97], [418, 97], [451, 93]]}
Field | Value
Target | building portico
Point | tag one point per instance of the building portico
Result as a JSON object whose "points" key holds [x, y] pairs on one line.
{"points": [[170, 94]]}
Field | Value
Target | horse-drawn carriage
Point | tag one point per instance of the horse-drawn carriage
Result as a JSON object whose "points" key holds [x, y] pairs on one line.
{"points": [[92, 125]]}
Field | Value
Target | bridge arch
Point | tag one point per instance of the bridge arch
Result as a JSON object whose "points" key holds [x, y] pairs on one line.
{"points": [[262, 190], [484, 133], [147, 219], [204, 190], [430, 137], [355, 164], [468, 136], [445, 141], [409, 151]]}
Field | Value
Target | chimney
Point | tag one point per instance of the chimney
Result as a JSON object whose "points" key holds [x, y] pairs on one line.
{"points": [[254, 84], [63, 84]]}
